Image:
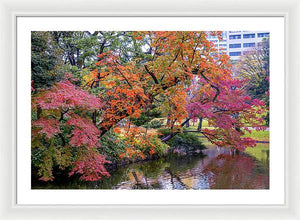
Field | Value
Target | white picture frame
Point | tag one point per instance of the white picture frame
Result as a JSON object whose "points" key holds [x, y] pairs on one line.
{"points": [[9, 10], [275, 195]]}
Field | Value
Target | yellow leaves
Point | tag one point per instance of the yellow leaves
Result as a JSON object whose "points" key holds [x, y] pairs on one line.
{"points": [[89, 78], [50, 113], [63, 157], [109, 83], [141, 145]]}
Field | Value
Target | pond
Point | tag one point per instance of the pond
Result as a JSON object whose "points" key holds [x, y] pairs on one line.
{"points": [[215, 168]]}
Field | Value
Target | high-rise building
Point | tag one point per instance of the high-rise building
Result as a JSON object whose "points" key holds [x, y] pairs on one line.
{"points": [[236, 43]]}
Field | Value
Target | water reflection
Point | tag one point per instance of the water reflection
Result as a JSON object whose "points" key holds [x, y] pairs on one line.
{"points": [[217, 168], [235, 172]]}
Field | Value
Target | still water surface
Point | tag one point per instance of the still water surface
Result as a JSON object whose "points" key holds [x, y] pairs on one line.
{"points": [[216, 168]]}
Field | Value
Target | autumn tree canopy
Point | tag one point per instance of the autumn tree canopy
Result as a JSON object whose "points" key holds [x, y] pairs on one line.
{"points": [[179, 73]]}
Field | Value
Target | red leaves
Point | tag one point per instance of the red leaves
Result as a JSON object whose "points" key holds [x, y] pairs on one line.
{"points": [[46, 179], [49, 127], [139, 37], [234, 172], [61, 106], [91, 165], [66, 95], [32, 89], [231, 113], [84, 133], [257, 102]]}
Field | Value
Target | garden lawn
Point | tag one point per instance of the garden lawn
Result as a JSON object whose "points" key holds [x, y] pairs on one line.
{"points": [[258, 135], [259, 152]]}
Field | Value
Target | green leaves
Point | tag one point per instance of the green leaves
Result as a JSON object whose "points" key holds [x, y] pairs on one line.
{"points": [[46, 59]]}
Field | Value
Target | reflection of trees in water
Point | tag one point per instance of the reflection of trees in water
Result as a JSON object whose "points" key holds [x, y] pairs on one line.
{"points": [[219, 169], [237, 171], [174, 176], [153, 169], [161, 174], [182, 164], [118, 176]]}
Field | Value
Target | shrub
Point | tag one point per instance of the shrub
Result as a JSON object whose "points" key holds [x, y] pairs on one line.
{"points": [[140, 145], [155, 124], [187, 141], [163, 131], [112, 145], [161, 147]]}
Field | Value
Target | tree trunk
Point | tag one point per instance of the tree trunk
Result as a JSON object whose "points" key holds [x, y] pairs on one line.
{"points": [[187, 124], [200, 125], [95, 117], [128, 127], [169, 136]]}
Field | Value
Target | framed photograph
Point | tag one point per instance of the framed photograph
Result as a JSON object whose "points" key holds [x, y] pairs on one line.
{"points": [[140, 88], [178, 112]]}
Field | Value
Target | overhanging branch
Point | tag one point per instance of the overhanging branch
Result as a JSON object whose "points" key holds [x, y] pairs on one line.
{"points": [[151, 74]]}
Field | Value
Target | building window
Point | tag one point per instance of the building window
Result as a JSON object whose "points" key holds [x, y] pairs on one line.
{"points": [[224, 34], [222, 45], [249, 36], [238, 36], [238, 53], [234, 45], [249, 45], [262, 34]]}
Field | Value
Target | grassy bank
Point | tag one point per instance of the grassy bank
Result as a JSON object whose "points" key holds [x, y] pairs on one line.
{"points": [[258, 135], [258, 152]]}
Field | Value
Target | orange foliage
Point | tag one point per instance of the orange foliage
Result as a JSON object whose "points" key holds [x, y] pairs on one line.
{"points": [[139, 144], [131, 87]]}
